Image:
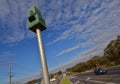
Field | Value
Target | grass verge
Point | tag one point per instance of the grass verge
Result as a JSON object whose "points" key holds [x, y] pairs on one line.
{"points": [[65, 81]]}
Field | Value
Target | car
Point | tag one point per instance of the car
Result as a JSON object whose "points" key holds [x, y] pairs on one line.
{"points": [[99, 71]]}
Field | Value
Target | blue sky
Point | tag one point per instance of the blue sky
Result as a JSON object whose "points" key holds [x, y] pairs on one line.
{"points": [[76, 30]]}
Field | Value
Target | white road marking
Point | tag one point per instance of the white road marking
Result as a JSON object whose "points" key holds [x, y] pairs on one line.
{"points": [[88, 78]]}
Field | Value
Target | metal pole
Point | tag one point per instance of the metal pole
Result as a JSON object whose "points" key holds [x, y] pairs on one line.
{"points": [[10, 73], [42, 56]]}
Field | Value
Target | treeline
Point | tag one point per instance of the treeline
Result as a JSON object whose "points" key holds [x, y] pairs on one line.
{"points": [[111, 57]]}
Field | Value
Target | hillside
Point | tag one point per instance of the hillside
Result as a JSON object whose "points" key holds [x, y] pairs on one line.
{"points": [[112, 51]]}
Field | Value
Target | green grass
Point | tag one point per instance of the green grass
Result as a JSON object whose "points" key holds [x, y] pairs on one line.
{"points": [[65, 81]]}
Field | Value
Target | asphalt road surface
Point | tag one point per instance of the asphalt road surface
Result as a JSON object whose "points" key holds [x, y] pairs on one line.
{"points": [[112, 77]]}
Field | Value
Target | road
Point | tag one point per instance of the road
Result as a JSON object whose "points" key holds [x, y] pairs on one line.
{"points": [[112, 77]]}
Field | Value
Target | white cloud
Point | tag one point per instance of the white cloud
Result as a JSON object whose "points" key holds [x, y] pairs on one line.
{"points": [[12, 30], [4, 10], [68, 34], [68, 50]]}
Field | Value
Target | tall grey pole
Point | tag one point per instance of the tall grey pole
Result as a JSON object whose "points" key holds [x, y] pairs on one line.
{"points": [[42, 56]]}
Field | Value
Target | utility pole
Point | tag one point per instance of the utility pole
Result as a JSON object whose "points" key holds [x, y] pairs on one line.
{"points": [[10, 74]]}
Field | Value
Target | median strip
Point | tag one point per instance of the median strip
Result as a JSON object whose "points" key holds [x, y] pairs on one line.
{"points": [[65, 81]]}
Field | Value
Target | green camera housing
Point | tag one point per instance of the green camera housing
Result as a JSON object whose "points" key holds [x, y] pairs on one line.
{"points": [[35, 20]]}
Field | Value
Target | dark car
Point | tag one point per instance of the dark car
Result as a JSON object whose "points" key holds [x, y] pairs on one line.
{"points": [[99, 71]]}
